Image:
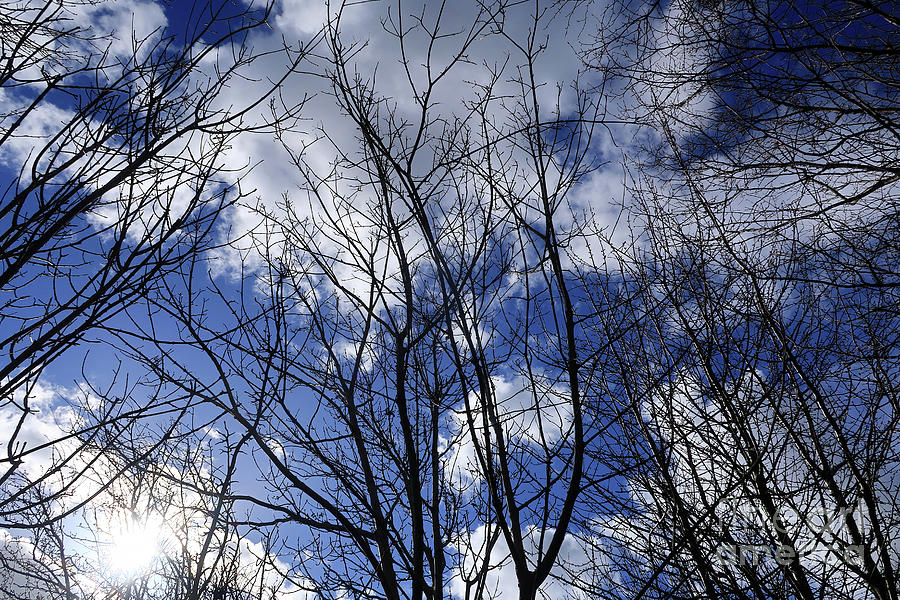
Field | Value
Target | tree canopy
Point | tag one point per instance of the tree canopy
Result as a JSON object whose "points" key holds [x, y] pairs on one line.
{"points": [[449, 301]]}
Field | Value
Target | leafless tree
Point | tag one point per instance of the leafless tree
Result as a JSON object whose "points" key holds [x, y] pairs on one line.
{"points": [[113, 156], [114, 150], [438, 374], [159, 524], [412, 378], [763, 380]]}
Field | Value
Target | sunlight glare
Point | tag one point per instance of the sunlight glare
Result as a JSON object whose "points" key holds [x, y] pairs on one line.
{"points": [[134, 547]]}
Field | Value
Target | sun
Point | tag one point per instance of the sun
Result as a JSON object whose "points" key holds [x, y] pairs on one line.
{"points": [[134, 546]]}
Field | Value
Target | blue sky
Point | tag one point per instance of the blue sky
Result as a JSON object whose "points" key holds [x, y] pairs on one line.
{"points": [[312, 236]]}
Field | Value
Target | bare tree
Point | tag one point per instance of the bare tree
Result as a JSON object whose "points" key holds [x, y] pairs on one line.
{"points": [[158, 524], [115, 176], [116, 173], [412, 379], [763, 382], [438, 375]]}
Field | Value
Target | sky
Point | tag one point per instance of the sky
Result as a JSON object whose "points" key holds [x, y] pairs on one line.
{"points": [[288, 176], [265, 185]]}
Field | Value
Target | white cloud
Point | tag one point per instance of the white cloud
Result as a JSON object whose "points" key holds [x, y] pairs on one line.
{"points": [[577, 568], [530, 413], [302, 17], [47, 423], [126, 21], [676, 66], [150, 529]]}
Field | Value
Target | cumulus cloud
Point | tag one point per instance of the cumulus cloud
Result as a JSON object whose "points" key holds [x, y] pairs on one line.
{"points": [[302, 17], [483, 554], [39, 427], [677, 82], [377, 63], [127, 23], [709, 468], [118, 524], [532, 413]]}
